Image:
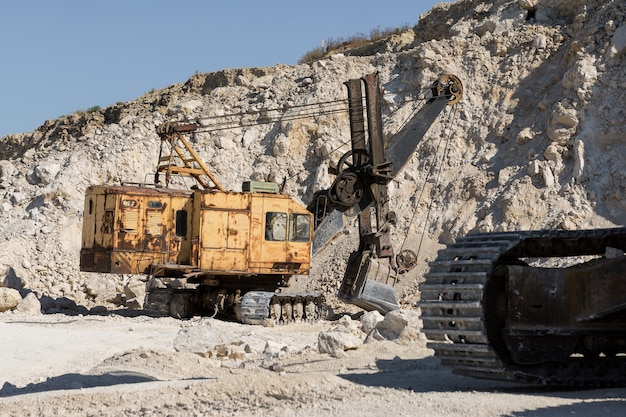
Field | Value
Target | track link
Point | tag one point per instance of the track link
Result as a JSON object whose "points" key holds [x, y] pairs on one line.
{"points": [[451, 304], [261, 307], [454, 316], [174, 302]]}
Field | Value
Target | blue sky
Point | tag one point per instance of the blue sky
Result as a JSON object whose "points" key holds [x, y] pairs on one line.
{"points": [[61, 56]]}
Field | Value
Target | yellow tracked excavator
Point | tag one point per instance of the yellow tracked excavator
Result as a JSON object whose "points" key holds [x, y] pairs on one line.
{"points": [[210, 251]]}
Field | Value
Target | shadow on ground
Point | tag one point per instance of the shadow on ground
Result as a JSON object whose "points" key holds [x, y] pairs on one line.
{"points": [[606, 407], [427, 375], [67, 306], [76, 382], [421, 375]]}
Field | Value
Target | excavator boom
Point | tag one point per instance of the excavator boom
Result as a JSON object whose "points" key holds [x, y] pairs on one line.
{"points": [[360, 189]]}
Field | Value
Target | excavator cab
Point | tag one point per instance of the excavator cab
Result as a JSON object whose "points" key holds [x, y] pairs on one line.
{"points": [[130, 229]]}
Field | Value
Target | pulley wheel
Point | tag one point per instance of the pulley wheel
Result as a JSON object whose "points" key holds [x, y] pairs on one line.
{"points": [[347, 190], [449, 85], [406, 260], [360, 155]]}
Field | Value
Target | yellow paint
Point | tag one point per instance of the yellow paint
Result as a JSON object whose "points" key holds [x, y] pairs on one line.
{"points": [[127, 229]]}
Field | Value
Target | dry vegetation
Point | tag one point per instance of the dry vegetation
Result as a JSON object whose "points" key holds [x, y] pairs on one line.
{"points": [[333, 45]]}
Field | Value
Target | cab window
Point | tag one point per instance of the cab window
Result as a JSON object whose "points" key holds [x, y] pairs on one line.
{"points": [[275, 226], [299, 227]]}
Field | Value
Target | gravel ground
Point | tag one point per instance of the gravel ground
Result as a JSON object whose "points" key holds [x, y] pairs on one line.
{"points": [[121, 366]]}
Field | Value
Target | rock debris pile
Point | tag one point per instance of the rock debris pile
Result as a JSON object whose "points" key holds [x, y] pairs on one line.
{"points": [[536, 142], [208, 339]]}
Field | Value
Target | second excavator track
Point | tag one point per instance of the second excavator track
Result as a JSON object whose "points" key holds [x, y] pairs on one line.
{"points": [[261, 307], [455, 305], [254, 307]]}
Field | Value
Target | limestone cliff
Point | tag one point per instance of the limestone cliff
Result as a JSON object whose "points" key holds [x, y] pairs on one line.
{"points": [[537, 141]]}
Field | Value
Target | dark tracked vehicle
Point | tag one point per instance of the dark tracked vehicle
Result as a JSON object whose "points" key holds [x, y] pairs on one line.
{"points": [[489, 314]]}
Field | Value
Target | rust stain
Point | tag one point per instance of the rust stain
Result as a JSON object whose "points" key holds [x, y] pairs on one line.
{"points": [[107, 223]]}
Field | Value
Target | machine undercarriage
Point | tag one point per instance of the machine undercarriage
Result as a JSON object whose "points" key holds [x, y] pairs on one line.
{"points": [[489, 314], [251, 301]]}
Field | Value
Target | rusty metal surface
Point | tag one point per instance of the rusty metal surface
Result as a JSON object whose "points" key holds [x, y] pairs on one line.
{"points": [[128, 228], [378, 157], [182, 159], [560, 328], [402, 145], [368, 282], [555, 309], [136, 189]]}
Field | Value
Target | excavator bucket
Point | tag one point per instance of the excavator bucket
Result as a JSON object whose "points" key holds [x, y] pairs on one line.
{"points": [[368, 283]]}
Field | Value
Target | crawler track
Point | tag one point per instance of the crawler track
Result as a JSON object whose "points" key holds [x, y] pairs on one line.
{"points": [[254, 307], [457, 310]]}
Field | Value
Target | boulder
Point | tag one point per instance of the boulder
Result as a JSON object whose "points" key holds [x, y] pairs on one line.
{"points": [[400, 325], [336, 342], [249, 137], [45, 173], [563, 124], [370, 319], [281, 146], [101, 288], [540, 41], [29, 304], [7, 170], [9, 298], [552, 152], [273, 348], [524, 136], [190, 106], [618, 43], [135, 292]]}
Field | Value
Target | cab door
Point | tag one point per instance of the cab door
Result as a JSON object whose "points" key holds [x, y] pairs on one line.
{"points": [[224, 232]]}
